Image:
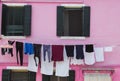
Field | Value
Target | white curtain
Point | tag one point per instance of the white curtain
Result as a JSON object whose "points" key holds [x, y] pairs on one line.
{"points": [[97, 77]]}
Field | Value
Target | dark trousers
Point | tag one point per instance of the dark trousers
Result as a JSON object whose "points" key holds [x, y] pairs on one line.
{"points": [[19, 50]]}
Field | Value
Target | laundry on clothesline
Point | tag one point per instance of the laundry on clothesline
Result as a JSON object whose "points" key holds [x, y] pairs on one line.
{"points": [[58, 58]]}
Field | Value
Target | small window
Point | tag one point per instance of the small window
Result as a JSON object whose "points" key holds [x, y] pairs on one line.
{"points": [[71, 77], [73, 21], [16, 20], [18, 75]]}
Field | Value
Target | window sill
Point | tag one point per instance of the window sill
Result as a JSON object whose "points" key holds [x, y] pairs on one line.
{"points": [[17, 67], [13, 37], [67, 37]]}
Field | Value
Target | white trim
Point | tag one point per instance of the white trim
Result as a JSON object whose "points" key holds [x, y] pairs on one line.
{"points": [[13, 37], [17, 67], [15, 4], [73, 5], [70, 37]]}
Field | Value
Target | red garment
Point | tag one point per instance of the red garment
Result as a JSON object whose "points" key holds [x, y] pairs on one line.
{"points": [[57, 52]]}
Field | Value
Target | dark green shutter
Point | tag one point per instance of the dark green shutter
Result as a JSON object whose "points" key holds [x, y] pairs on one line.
{"points": [[4, 19], [45, 77], [31, 76], [60, 20], [6, 75], [27, 20], [71, 75], [86, 21]]}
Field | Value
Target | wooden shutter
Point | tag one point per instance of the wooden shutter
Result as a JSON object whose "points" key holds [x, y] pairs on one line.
{"points": [[31, 76], [45, 77], [60, 20], [4, 19], [27, 20], [6, 75], [86, 21], [71, 75]]}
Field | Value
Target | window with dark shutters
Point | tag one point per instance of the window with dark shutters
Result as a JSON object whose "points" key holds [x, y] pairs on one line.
{"points": [[18, 75], [73, 21], [71, 77], [6, 75], [16, 20]]}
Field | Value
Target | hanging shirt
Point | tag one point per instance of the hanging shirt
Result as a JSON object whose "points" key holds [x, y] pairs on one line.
{"points": [[28, 48], [99, 54], [57, 52]]}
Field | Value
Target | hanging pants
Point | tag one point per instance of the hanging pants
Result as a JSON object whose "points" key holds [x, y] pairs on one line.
{"points": [[19, 48]]}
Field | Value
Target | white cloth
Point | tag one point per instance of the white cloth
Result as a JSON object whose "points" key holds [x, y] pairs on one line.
{"points": [[47, 67], [99, 54], [108, 49], [31, 63], [75, 61], [62, 67], [89, 58]]}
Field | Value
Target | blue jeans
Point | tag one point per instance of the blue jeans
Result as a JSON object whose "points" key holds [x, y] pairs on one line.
{"points": [[46, 49]]}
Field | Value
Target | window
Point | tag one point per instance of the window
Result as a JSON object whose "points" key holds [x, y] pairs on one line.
{"points": [[97, 76], [71, 77], [18, 75], [16, 20], [73, 21]]}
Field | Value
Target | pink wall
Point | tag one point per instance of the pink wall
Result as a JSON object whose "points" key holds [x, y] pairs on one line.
{"points": [[105, 31], [42, 0]]}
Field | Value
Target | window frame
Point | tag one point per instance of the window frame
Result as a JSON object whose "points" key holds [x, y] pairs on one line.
{"points": [[26, 28], [7, 73], [71, 76], [60, 21]]}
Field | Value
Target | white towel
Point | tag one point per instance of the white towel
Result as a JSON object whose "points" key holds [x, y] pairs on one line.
{"points": [[99, 54], [31, 63], [89, 58], [46, 66], [62, 67]]}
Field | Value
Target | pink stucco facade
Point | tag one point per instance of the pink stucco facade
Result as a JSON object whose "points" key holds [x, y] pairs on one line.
{"points": [[105, 31]]}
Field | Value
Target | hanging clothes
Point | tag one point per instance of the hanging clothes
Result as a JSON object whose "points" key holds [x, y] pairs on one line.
{"points": [[28, 48], [99, 54], [89, 48], [69, 50], [19, 50], [75, 61], [37, 53], [89, 54], [57, 52], [32, 63], [89, 58], [46, 66], [8, 49], [79, 52], [62, 67], [47, 52]]}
